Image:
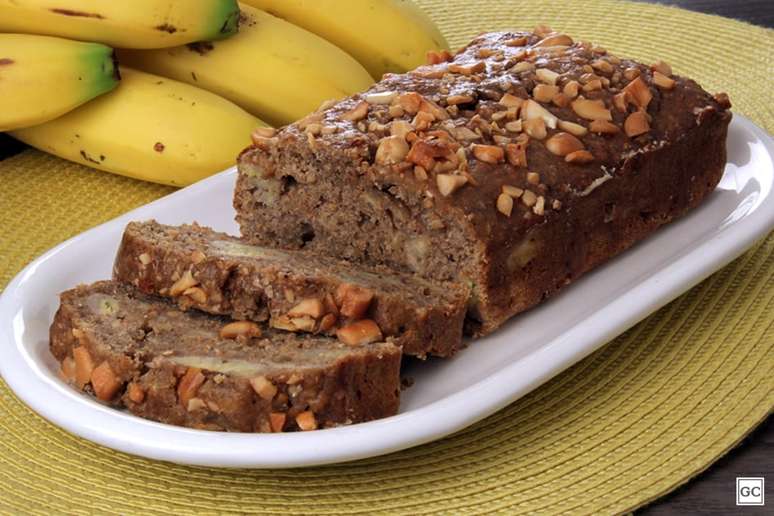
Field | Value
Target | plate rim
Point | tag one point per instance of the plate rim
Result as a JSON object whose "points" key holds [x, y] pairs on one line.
{"points": [[153, 440]]}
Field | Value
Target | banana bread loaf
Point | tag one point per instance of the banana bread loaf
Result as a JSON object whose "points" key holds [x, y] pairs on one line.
{"points": [[293, 290], [207, 372], [514, 167]]}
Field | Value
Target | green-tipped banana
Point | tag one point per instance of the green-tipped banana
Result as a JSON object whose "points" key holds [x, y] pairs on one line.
{"points": [[123, 23], [150, 128], [272, 68], [384, 35], [42, 78]]}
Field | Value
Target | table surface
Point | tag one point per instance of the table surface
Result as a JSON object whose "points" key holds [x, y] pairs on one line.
{"points": [[759, 12], [712, 492]]}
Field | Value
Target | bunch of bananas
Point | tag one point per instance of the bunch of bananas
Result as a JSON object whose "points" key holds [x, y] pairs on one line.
{"points": [[190, 79]]}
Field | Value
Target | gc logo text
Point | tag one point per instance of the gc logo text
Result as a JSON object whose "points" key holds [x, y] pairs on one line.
{"points": [[749, 491]]}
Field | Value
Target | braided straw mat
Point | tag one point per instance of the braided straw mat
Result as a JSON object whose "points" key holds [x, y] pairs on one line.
{"points": [[626, 425]]}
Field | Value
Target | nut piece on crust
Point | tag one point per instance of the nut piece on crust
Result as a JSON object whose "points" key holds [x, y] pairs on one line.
{"points": [[544, 92], [306, 421], [311, 306], [620, 101], [517, 153], [661, 67], [353, 300], [410, 102], [84, 365], [488, 153], [263, 387], [400, 128], [135, 392], [639, 93], [636, 124], [326, 323], [264, 132], [580, 157], [358, 112], [505, 204], [104, 381], [514, 126], [547, 76], [196, 294], [512, 191], [382, 97], [591, 110], [185, 282], [302, 323], [531, 110], [448, 184], [529, 198], [189, 384], [240, 329], [573, 128], [555, 39], [437, 57], [509, 100], [360, 332], [67, 371], [277, 421], [195, 404], [563, 144], [536, 128], [391, 150], [603, 127], [571, 89], [662, 81]]}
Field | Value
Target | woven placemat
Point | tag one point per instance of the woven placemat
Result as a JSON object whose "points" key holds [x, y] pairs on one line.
{"points": [[629, 423]]}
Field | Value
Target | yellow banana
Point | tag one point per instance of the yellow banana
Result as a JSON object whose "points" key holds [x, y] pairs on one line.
{"points": [[149, 128], [384, 35], [272, 68], [123, 23], [42, 77]]}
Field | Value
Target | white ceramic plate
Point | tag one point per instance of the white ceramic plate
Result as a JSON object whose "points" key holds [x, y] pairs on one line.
{"points": [[448, 395]]}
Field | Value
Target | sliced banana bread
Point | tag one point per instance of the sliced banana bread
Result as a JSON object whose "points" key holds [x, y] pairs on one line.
{"points": [[293, 290], [515, 166], [208, 372]]}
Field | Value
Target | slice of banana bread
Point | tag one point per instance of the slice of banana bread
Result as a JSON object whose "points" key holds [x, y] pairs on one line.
{"points": [[207, 372], [514, 166], [293, 290]]}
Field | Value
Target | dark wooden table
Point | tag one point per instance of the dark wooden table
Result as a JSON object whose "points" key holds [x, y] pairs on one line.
{"points": [[714, 491], [759, 12]]}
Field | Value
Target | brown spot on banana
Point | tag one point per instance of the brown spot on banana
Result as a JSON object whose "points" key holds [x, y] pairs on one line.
{"points": [[70, 12], [200, 47], [166, 27], [88, 158], [116, 71], [4, 61]]}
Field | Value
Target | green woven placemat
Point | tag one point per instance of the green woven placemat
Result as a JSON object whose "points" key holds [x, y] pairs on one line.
{"points": [[631, 422]]}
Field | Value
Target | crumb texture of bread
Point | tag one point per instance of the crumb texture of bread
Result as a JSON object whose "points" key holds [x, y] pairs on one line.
{"points": [[292, 290], [208, 372], [512, 167]]}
